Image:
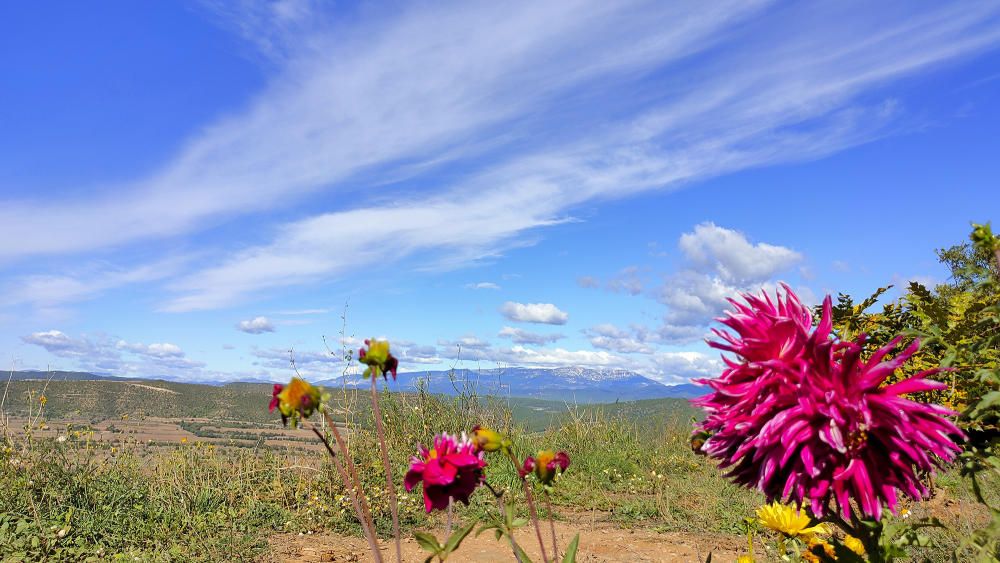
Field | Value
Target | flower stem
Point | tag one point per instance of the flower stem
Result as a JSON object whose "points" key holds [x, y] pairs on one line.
{"points": [[352, 471], [503, 511], [369, 533], [552, 525], [531, 505], [534, 517], [390, 487], [450, 499]]}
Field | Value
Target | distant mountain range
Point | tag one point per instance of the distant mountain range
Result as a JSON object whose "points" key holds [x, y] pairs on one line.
{"points": [[573, 384], [569, 384]]}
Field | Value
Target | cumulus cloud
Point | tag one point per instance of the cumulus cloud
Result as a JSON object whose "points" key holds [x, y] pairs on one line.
{"points": [[521, 336], [308, 362], [610, 337], [520, 355], [541, 313], [729, 255], [60, 344], [103, 353], [719, 264], [256, 325], [680, 367], [155, 350], [416, 354]]}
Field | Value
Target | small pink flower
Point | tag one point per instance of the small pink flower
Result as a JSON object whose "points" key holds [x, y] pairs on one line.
{"points": [[800, 415], [452, 469], [274, 397], [545, 466]]}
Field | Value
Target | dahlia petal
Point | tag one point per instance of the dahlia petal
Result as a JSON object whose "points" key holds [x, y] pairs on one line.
{"points": [[914, 385]]}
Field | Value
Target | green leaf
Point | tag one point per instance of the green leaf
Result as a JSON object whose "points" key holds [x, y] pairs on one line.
{"points": [[428, 542], [570, 556], [456, 538], [521, 554]]}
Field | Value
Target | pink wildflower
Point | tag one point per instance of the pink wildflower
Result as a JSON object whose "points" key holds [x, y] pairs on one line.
{"points": [[545, 466], [453, 468], [799, 415]]}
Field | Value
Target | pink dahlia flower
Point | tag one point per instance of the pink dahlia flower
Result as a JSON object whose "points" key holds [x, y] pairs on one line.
{"points": [[800, 415], [453, 468]]}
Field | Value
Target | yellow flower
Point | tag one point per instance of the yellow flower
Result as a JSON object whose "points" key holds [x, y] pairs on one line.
{"points": [[378, 358], [813, 541], [298, 398], [43, 400], [184, 440], [788, 521], [745, 559], [854, 544]]}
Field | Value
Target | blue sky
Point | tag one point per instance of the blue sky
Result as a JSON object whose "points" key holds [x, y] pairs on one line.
{"points": [[190, 190]]}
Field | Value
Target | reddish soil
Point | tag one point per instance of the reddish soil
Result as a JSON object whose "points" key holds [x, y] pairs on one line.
{"points": [[600, 542]]}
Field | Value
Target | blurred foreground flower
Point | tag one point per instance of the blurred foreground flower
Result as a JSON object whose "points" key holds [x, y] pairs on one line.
{"points": [[297, 399], [798, 414], [378, 359], [545, 465], [854, 544], [490, 440], [452, 469]]}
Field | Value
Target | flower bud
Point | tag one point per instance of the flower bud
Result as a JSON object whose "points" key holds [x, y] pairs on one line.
{"points": [[488, 440]]}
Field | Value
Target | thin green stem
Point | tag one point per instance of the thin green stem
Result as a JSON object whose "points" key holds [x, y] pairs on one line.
{"points": [[353, 472], [529, 498], [389, 485], [369, 533], [450, 499], [552, 525], [510, 532]]}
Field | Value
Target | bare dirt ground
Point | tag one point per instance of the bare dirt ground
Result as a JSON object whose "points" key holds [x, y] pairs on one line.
{"points": [[600, 542]]}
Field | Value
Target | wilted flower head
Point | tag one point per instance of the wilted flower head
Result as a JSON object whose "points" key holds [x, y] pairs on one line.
{"points": [[545, 465], [297, 399], [800, 415], [453, 468], [490, 440], [378, 359], [789, 520]]}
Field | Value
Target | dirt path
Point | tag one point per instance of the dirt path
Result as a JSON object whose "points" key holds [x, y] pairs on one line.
{"points": [[603, 542]]}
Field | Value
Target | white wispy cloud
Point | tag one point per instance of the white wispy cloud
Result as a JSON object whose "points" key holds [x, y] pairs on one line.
{"points": [[256, 325], [610, 337], [482, 285], [456, 69], [541, 313], [471, 79], [81, 283], [521, 336]]}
